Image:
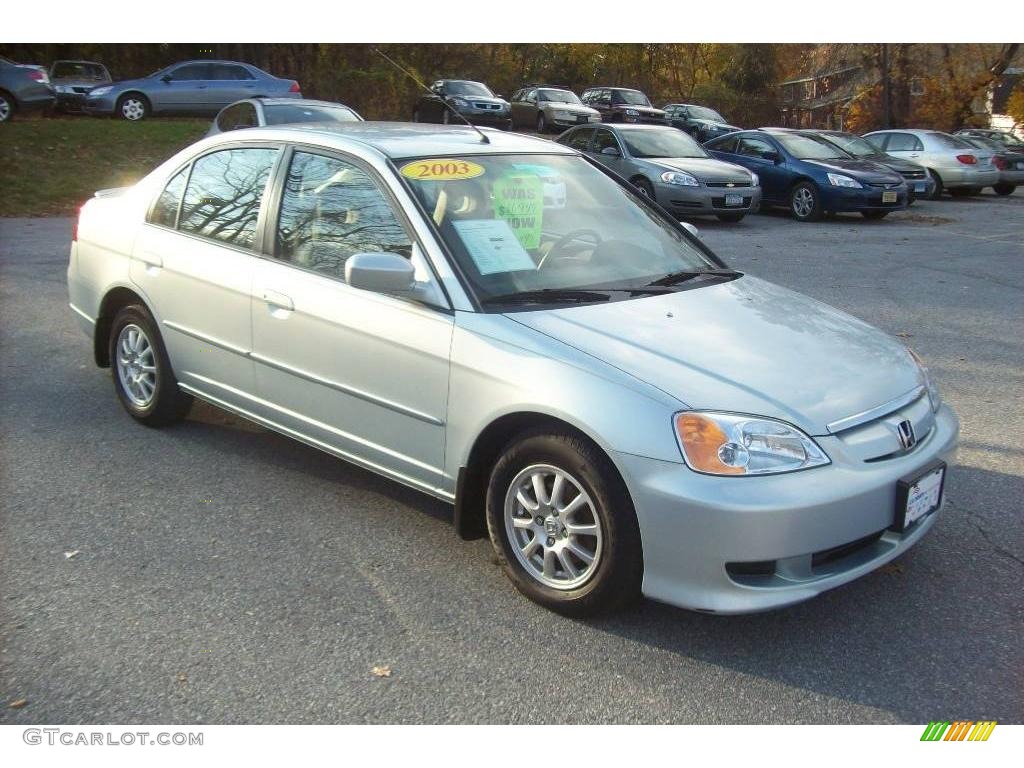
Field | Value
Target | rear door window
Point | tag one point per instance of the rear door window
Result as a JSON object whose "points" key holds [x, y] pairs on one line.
{"points": [[903, 142], [165, 210]]}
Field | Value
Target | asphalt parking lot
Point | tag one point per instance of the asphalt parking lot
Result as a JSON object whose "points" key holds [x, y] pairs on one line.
{"points": [[227, 574]]}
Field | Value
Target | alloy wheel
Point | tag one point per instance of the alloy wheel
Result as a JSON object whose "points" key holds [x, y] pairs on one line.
{"points": [[5, 109], [803, 202], [553, 527], [136, 365]]}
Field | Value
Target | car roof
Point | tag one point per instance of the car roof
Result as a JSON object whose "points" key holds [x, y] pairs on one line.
{"points": [[402, 140], [211, 61], [613, 88], [271, 101], [638, 127], [78, 61]]}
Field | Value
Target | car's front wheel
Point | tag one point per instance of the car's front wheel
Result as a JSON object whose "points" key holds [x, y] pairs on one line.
{"points": [[563, 525], [143, 379], [1004, 189], [6, 107], [805, 202], [132, 106], [937, 192]]}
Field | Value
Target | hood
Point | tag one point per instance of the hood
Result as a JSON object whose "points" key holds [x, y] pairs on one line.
{"points": [[715, 125], [705, 168], [480, 99], [896, 163], [572, 107], [863, 170], [746, 346], [645, 110]]}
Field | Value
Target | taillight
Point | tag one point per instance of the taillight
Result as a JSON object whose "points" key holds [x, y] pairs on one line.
{"points": [[999, 163], [967, 159], [35, 74], [295, 87]]}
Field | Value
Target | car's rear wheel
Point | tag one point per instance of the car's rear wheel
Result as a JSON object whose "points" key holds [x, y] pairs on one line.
{"points": [[644, 187], [143, 379], [805, 202], [730, 217], [542, 124], [132, 106], [937, 192], [563, 525], [874, 215], [1004, 189], [6, 107]]}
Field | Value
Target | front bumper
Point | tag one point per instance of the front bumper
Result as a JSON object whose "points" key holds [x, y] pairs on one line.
{"points": [[846, 200], [571, 120], [693, 525], [496, 117], [100, 105], [705, 201], [71, 101]]}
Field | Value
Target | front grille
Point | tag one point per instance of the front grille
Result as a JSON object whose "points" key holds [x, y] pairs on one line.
{"points": [[912, 174], [887, 185], [727, 184], [826, 556], [482, 105], [687, 204]]}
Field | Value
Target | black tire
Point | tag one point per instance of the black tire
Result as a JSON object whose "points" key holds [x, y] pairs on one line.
{"points": [[874, 215], [8, 107], [168, 403], [618, 573], [939, 186], [542, 124], [644, 187], [732, 218], [797, 198], [1003, 189], [133, 104]]}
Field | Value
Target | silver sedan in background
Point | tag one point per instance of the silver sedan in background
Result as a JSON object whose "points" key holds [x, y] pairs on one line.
{"points": [[954, 165], [256, 113], [669, 166], [585, 381]]}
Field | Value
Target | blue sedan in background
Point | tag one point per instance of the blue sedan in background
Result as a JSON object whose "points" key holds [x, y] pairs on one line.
{"points": [[812, 176], [188, 88]]}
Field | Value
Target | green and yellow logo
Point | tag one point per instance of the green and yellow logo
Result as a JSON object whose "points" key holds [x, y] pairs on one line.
{"points": [[960, 730]]}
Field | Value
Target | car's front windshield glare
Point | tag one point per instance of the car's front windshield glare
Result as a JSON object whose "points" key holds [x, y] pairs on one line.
{"points": [[282, 114], [661, 143], [631, 97], [561, 96], [531, 222], [703, 113], [853, 144], [464, 88], [809, 147], [948, 141], [83, 71]]}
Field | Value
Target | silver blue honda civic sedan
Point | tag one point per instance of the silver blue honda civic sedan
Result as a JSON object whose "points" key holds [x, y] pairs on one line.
{"points": [[499, 322]]}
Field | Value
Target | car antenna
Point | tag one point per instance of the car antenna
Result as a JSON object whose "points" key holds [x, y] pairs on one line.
{"points": [[449, 107]]}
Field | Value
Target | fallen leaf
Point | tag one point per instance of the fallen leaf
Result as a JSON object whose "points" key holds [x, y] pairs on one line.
{"points": [[182, 677], [381, 671], [904, 335], [891, 568], [18, 703], [69, 555]]}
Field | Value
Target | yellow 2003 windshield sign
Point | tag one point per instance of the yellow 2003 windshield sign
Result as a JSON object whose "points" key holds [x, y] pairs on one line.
{"points": [[442, 169]]}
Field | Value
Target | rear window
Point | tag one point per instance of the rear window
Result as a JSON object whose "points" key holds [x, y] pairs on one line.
{"points": [[281, 114], [950, 142]]}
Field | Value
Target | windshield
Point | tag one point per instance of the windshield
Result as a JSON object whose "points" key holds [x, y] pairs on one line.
{"points": [[81, 70], [983, 143], [630, 97], [279, 114], [804, 147], [548, 94], [518, 223], [855, 145], [667, 142], [466, 88], [703, 113]]}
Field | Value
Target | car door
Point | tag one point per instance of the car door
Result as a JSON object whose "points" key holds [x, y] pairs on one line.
{"points": [[905, 145], [228, 83], [185, 90], [763, 157], [194, 260], [361, 373], [606, 140]]}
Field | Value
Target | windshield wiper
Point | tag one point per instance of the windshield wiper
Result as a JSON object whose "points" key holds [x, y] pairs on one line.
{"points": [[546, 295], [674, 278]]}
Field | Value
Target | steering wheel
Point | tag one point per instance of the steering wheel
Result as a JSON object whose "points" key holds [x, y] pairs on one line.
{"points": [[565, 240]]}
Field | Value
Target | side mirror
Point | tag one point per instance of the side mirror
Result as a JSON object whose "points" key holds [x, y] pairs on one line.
{"points": [[772, 157], [380, 273], [498, 96], [166, 79], [611, 152], [690, 228]]}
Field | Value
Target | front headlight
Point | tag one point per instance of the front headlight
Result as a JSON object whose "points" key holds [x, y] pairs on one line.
{"points": [[101, 91], [933, 391], [632, 113], [681, 178], [731, 444], [838, 180], [562, 114], [457, 102], [754, 180]]}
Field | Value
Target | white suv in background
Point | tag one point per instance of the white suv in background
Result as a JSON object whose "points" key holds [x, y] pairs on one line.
{"points": [[952, 163]]}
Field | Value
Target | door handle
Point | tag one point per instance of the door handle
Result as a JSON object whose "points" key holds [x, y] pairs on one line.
{"points": [[278, 300], [150, 259]]}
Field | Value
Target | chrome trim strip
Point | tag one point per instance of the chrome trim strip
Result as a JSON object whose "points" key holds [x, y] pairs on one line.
{"points": [[203, 337], [346, 389], [313, 442], [318, 424], [80, 312], [876, 413]]}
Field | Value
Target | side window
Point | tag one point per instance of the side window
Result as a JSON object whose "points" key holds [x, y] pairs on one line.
{"points": [[579, 140], [229, 72], [330, 210], [725, 145], [191, 72], [224, 193], [517, 96], [230, 117], [532, 96], [605, 138], [750, 146], [903, 142], [165, 210]]}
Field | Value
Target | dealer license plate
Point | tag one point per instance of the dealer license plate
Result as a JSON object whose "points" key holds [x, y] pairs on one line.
{"points": [[731, 201], [921, 496], [888, 197]]}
